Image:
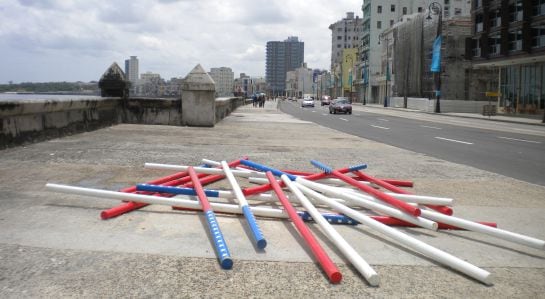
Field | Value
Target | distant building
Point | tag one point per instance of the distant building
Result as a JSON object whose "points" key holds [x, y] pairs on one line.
{"points": [[224, 79], [509, 41], [345, 34], [131, 71], [150, 85], [379, 15], [282, 57]]}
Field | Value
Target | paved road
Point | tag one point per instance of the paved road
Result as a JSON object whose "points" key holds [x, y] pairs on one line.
{"points": [[514, 150]]}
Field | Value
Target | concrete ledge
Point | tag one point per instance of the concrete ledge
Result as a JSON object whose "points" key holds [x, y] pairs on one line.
{"points": [[29, 121]]}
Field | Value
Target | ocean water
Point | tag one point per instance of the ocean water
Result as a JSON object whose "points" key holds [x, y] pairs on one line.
{"points": [[33, 96]]}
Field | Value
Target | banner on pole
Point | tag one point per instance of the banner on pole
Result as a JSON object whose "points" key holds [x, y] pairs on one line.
{"points": [[436, 55]]}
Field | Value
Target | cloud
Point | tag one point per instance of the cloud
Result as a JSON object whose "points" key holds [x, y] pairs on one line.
{"points": [[168, 36]]}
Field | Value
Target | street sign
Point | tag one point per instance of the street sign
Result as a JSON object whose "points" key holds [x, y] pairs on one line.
{"points": [[492, 94]]}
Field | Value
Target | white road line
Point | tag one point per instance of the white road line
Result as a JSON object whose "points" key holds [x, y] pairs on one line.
{"points": [[324, 114], [436, 128], [382, 119], [453, 140], [343, 119], [313, 111], [526, 130], [379, 127], [522, 140]]}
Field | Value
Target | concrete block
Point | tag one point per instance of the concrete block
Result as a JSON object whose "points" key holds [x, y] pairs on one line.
{"points": [[198, 99]]}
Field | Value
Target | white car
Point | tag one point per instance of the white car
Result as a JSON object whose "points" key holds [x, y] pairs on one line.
{"points": [[307, 102]]}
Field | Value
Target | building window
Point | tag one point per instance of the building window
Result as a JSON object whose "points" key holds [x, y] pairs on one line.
{"points": [[515, 11], [477, 49], [515, 40], [478, 3], [404, 10], [446, 12], [495, 19], [339, 37], [393, 8], [478, 23], [538, 36], [379, 9], [494, 43], [379, 24], [420, 9], [391, 23], [538, 7], [339, 29], [447, 2], [339, 45], [457, 11]]}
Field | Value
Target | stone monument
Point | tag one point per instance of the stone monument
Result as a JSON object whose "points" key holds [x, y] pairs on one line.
{"points": [[198, 99]]}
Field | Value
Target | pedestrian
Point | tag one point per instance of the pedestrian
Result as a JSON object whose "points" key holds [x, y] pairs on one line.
{"points": [[254, 100]]}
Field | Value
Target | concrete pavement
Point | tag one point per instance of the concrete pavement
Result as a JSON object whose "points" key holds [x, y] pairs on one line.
{"points": [[54, 245]]}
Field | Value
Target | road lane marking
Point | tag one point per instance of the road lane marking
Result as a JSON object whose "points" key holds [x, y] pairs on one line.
{"points": [[379, 127], [314, 111], [522, 140], [382, 119], [453, 140], [526, 130], [343, 119], [436, 128], [324, 114]]}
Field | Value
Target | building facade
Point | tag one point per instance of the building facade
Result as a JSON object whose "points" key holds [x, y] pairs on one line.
{"points": [[131, 69], [282, 57], [509, 39], [224, 79], [381, 15], [345, 34]]}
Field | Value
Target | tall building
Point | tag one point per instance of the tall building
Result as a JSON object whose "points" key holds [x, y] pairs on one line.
{"points": [[224, 79], [345, 34], [509, 40], [131, 71], [383, 14], [282, 57]]}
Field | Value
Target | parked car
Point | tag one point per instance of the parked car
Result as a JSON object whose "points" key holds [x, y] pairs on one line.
{"points": [[307, 102], [326, 100], [340, 105]]}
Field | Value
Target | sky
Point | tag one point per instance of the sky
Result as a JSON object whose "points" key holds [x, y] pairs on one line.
{"points": [[77, 40]]}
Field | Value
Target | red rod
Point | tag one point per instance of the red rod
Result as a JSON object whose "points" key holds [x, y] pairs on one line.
{"points": [[324, 260], [386, 185], [378, 194], [171, 180]]}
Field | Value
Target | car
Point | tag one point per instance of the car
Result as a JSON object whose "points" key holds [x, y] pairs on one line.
{"points": [[340, 105], [307, 102], [326, 100]]}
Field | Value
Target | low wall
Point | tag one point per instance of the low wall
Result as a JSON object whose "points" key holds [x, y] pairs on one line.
{"points": [[423, 104], [27, 121], [224, 106]]}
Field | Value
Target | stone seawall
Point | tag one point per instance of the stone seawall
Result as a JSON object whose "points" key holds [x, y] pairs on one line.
{"points": [[28, 121]]}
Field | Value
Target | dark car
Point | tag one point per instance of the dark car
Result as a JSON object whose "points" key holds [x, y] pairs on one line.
{"points": [[326, 100], [340, 105]]}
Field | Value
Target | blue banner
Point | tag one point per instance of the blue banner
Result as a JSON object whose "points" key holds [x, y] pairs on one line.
{"points": [[436, 56]]}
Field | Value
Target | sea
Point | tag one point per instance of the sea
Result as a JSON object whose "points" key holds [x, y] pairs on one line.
{"points": [[35, 96]]}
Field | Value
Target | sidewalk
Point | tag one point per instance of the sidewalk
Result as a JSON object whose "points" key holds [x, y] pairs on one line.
{"points": [[535, 120], [56, 245]]}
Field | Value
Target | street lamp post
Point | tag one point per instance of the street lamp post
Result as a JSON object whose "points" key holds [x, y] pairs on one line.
{"points": [[384, 38], [436, 8]]}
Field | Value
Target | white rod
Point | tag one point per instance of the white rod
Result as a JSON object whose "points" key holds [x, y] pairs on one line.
{"points": [[167, 201], [375, 206], [415, 244], [201, 169], [492, 231], [259, 239], [349, 252]]}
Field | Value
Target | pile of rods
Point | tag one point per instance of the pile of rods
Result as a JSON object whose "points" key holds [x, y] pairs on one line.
{"points": [[345, 191]]}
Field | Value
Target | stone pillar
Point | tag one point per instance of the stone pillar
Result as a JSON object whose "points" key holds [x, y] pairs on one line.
{"points": [[113, 83], [198, 99]]}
